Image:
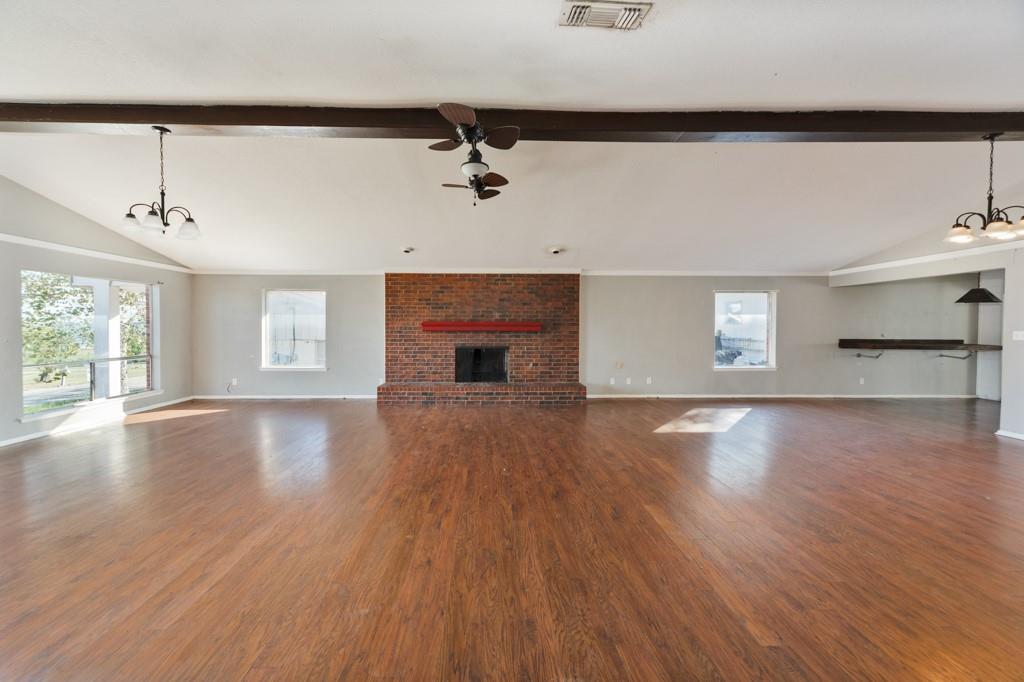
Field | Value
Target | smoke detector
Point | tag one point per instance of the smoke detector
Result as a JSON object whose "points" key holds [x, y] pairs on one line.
{"points": [[624, 16]]}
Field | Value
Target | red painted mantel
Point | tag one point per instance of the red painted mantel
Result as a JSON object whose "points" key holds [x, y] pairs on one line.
{"points": [[479, 326]]}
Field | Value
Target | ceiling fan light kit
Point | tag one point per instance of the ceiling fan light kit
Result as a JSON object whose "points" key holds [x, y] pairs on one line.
{"points": [[995, 223], [155, 222], [475, 164]]}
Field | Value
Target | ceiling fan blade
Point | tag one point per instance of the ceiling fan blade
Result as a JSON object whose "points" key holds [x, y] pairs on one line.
{"points": [[504, 137], [494, 180], [487, 194], [445, 145], [457, 114], [449, 184]]}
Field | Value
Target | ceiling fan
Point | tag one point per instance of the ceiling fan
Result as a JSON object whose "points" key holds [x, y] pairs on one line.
{"points": [[469, 131]]}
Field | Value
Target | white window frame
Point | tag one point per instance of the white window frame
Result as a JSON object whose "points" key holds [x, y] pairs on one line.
{"points": [[773, 310], [107, 285], [265, 365]]}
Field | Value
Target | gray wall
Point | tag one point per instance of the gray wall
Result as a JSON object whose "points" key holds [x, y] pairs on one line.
{"points": [[174, 342], [227, 336], [990, 330], [29, 215], [1012, 419], [33, 216], [662, 327]]}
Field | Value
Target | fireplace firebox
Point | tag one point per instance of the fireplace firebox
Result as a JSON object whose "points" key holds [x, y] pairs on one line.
{"points": [[479, 365]]}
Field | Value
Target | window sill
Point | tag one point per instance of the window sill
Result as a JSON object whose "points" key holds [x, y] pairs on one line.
{"points": [[87, 405], [745, 369], [293, 369]]}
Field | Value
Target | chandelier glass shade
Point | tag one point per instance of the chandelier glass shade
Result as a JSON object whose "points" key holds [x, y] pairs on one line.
{"points": [[995, 223], [157, 217]]}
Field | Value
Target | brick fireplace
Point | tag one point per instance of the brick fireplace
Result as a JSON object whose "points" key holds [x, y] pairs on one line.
{"points": [[541, 360]]}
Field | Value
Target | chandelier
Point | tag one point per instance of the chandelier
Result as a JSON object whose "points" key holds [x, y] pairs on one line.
{"points": [[155, 222], [995, 223]]}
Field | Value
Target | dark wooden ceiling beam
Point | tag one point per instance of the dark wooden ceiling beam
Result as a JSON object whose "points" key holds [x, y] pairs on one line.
{"points": [[600, 126]]}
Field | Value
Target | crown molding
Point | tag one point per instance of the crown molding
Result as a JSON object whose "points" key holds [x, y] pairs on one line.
{"points": [[90, 253], [931, 258], [700, 273], [287, 273]]}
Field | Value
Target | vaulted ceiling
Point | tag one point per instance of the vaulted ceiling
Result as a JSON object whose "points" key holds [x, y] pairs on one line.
{"points": [[331, 205]]}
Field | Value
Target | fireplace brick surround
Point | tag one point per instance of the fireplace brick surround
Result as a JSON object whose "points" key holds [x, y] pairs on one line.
{"points": [[543, 366]]}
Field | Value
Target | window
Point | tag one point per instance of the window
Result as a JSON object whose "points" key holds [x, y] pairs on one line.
{"points": [[295, 329], [745, 329], [83, 339]]}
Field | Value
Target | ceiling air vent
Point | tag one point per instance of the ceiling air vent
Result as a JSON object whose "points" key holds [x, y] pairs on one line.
{"points": [[624, 16]]}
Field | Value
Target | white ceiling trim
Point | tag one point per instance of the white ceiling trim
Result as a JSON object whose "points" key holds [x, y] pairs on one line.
{"points": [[512, 271], [931, 258], [78, 251], [698, 273], [283, 273], [382, 271], [488, 271]]}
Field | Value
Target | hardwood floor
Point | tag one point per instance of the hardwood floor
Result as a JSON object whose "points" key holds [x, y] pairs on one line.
{"points": [[824, 540]]}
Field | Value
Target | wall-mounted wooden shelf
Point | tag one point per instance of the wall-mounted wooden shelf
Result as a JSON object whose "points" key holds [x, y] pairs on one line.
{"points": [[915, 344]]}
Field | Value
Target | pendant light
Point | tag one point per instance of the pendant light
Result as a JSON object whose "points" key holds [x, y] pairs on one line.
{"points": [[995, 223], [155, 222], [979, 295]]}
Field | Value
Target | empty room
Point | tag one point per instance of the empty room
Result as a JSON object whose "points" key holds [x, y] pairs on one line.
{"points": [[535, 340]]}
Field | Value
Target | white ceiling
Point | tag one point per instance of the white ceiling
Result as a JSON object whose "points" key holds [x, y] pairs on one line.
{"points": [[330, 205], [690, 54], [335, 205]]}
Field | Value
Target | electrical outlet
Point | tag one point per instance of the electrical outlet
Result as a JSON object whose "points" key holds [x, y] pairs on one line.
{"points": [[611, 381], [648, 381], [234, 381], [1018, 336], [629, 380], [862, 381]]}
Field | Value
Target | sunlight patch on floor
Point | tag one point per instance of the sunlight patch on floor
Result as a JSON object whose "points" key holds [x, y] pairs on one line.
{"points": [[705, 420], [144, 417]]}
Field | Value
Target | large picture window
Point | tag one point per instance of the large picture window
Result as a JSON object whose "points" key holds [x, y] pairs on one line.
{"points": [[294, 329], [745, 329], [82, 339]]}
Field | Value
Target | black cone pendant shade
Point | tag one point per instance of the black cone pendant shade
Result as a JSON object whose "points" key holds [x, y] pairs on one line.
{"points": [[979, 295]]}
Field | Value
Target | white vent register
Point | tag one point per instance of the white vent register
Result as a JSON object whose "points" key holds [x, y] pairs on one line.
{"points": [[624, 16]]}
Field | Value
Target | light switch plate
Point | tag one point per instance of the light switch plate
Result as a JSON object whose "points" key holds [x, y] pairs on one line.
{"points": [[1018, 336]]}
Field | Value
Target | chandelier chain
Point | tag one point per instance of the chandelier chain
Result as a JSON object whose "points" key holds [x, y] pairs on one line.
{"points": [[991, 163], [162, 186]]}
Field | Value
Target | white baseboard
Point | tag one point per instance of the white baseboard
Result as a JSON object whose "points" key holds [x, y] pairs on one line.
{"points": [[1010, 434], [22, 439], [765, 396], [157, 406], [235, 396], [61, 430]]}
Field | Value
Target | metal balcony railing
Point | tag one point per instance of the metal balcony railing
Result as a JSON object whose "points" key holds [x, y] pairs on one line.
{"points": [[92, 364]]}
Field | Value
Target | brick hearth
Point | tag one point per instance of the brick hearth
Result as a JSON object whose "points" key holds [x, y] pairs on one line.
{"points": [[543, 367]]}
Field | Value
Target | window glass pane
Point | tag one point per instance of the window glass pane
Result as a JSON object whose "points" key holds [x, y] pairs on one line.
{"points": [[56, 329], [136, 375], [743, 329], [296, 329]]}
